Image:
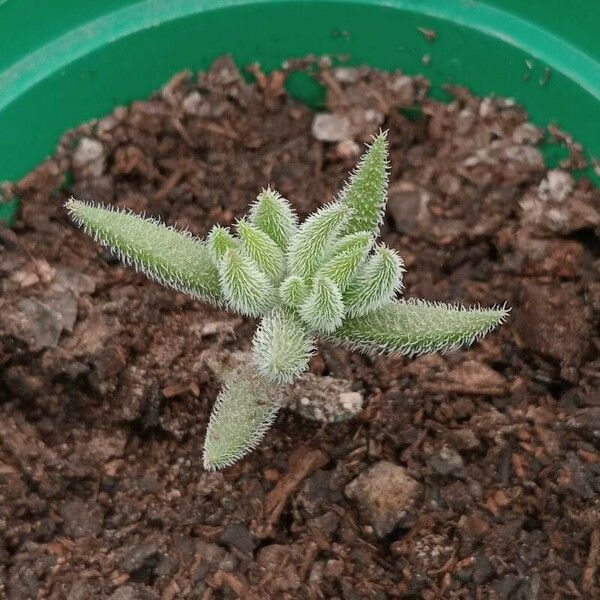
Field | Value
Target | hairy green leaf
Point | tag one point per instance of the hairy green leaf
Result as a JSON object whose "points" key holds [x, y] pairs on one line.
{"points": [[359, 239], [219, 241], [282, 347], [292, 291], [242, 414], [323, 309], [342, 267], [245, 287], [417, 327], [262, 250], [377, 283], [366, 190], [173, 258], [316, 236], [273, 214]]}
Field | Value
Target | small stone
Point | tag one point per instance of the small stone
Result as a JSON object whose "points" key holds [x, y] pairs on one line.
{"points": [[82, 590], [430, 552], [385, 494], [328, 127], [447, 461], [104, 446], [81, 519], [404, 90], [23, 583], [347, 149], [554, 321], [191, 103], [89, 157], [464, 439], [278, 561], [526, 155], [526, 134], [42, 323], [213, 557], [586, 421], [325, 399], [465, 121], [482, 568], [141, 559], [346, 74], [556, 186], [238, 536], [408, 206], [133, 592]]}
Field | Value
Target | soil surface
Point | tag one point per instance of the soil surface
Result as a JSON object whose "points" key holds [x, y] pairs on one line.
{"points": [[468, 475]]}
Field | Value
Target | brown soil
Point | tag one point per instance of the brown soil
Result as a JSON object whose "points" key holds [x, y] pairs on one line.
{"points": [[105, 391]]}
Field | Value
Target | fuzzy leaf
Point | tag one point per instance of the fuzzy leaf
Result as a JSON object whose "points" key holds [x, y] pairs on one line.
{"points": [[219, 241], [292, 291], [418, 327], [359, 239], [366, 190], [377, 283], [317, 234], [342, 267], [274, 216], [246, 288], [241, 415], [323, 309], [282, 347], [262, 250], [173, 258]]}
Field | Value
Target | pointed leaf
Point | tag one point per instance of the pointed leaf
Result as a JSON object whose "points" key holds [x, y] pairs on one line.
{"points": [[241, 415], [418, 327], [323, 309], [246, 288], [316, 237], [220, 240], [342, 267], [273, 214], [292, 291], [359, 239], [282, 347], [366, 191], [377, 283], [262, 250], [173, 258]]}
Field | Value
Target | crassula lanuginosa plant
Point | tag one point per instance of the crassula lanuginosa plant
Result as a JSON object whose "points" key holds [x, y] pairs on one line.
{"points": [[325, 278]]}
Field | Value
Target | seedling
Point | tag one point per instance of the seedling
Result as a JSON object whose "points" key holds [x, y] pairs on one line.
{"points": [[326, 278]]}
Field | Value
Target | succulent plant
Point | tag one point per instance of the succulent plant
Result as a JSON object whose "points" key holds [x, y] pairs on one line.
{"points": [[326, 278]]}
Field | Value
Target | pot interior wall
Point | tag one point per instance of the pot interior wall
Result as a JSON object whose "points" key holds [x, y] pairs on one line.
{"points": [[75, 61]]}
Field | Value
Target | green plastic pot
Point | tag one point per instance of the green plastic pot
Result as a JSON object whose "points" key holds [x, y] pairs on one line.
{"points": [[65, 61]]}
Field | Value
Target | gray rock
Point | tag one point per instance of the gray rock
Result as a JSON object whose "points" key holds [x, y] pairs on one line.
{"points": [[89, 157], [556, 186], [324, 399], [141, 559], [330, 128], [42, 324], [447, 461], [482, 568], [23, 583], [213, 557], [238, 536], [81, 519], [318, 398], [134, 592], [554, 321], [526, 134], [385, 494], [64, 302], [408, 207]]}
